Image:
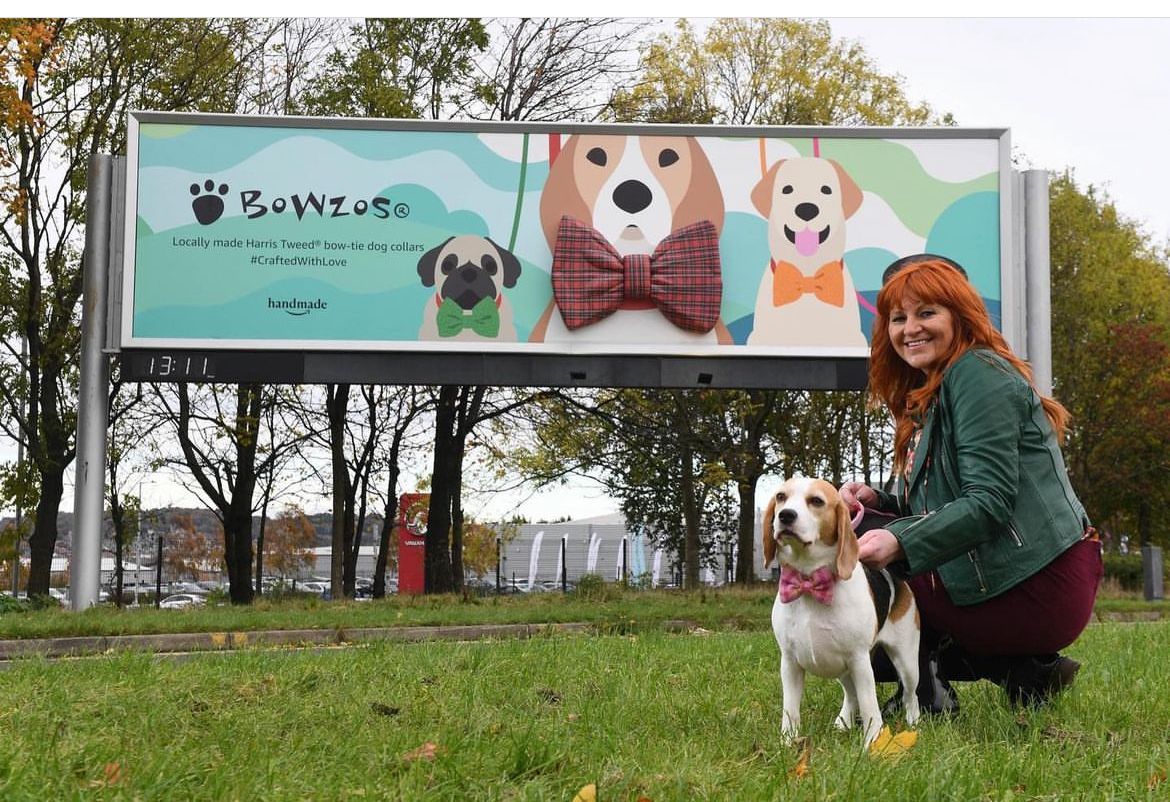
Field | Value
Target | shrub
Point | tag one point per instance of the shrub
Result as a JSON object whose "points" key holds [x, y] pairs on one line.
{"points": [[593, 588], [1126, 569]]}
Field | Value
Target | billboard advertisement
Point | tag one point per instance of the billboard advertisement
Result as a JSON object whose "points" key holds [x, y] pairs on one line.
{"points": [[390, 235]]}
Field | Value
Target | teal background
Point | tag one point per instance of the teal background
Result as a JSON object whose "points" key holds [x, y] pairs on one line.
{"points": [[452, 183]]}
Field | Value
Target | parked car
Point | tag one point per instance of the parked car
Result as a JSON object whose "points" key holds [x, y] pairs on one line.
{"points": [[313, 586], [181, 601]]}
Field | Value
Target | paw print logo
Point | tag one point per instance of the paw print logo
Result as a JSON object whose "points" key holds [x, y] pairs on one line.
{"points": [[208, 206]]}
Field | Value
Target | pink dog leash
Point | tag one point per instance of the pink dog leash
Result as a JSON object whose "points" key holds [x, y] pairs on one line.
{"points": [[860, 514]]}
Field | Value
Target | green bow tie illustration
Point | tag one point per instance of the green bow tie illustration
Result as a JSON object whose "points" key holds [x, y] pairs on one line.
{"points": [[484, 318]]}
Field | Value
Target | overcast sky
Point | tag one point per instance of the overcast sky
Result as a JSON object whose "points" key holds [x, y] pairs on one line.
{"points": [[1091, 94]]}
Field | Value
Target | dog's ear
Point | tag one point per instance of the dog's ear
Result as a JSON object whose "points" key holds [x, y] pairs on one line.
{"points": [[851, 195], [704, 197], [561, 196], [509, 261], [846, 541], [769, 535], [762, 193], [427, 262]]}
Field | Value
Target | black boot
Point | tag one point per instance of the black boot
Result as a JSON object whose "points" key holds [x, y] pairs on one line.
{"points": [[1033, 681], [1028, 680], [935, 694]]}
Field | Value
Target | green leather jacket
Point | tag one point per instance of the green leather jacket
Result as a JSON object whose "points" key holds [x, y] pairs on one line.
{"points": [[988, 502]]}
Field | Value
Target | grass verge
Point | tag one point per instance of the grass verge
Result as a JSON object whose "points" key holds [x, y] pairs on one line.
{"points": [[654, 716]]}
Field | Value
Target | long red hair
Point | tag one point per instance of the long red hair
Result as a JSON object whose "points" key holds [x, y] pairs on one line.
{"points": [[906, 391]]}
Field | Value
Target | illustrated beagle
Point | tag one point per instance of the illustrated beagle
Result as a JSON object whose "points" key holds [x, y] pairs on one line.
{"points": [[828, 615], [635, 191], [471, 273], [806, 295]]}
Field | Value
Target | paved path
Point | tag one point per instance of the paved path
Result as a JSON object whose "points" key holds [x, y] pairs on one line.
{"points": [[182, 642]]}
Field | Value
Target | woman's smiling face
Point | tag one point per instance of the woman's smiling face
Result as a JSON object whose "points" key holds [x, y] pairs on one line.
{"points": [[921, 333]]}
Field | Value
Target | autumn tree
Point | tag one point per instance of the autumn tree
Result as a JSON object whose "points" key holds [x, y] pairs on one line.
{"points": [[765, 71], [68, 85], [1110, 330], [288, 549], [187, 553]]}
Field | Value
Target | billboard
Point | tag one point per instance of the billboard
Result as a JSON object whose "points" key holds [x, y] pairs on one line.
{"points": [[365, 236]]}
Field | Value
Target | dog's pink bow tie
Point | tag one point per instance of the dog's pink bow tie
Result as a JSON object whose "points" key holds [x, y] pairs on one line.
{"points": [[682, 278], [820, 585]]}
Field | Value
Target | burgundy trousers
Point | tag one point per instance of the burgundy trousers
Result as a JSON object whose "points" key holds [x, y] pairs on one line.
{"points": [[1041, 615]]}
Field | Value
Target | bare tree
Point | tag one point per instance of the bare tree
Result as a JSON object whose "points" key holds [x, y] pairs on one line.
{"points": [[555, 68]]}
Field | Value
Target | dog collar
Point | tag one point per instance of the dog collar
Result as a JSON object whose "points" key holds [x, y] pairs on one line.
{"points": [[819, 584]]}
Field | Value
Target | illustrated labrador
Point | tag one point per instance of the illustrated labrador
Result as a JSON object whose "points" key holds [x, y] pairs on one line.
{"points": [[806, 295]]}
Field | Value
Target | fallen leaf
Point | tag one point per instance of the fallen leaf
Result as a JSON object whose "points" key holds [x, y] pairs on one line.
{"points": [[549, 696], [801, 769], [114, 774], [1156, 779], [888, 746], [587, 794], [427, 751]]}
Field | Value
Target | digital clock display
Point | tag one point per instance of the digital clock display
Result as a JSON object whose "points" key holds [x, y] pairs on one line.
{"points": [[178, 366]]}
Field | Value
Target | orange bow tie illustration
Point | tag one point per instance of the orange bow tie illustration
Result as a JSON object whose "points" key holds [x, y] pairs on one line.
{"points": [[789, 284]]}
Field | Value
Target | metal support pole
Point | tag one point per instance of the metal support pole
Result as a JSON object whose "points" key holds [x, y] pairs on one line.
{"points": [[1037, 278], [158, 573], [564, 564], [625, 561], [92, 414], [497, 565]]}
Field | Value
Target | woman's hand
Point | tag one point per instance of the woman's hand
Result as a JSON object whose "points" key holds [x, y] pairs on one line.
{"points": [[854, 493], [877, 548]]}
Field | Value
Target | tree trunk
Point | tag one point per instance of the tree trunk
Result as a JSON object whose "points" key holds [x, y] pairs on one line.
{"points": [[438, 554], [237, 517], [337, 403], [745, 568], [260, 542], [43, 539], [388, 521]]}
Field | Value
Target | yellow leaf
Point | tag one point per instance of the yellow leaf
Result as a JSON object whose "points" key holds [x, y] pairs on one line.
{"points": [[587, 794], [888, 746], [1156, 779]]}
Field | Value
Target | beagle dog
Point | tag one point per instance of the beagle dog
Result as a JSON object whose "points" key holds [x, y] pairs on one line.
{"points": [[806, 295], [635, 191], [828, 615], [471, 273]]}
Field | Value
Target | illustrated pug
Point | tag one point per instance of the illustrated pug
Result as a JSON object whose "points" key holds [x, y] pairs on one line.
{"points": [[470, 274]]}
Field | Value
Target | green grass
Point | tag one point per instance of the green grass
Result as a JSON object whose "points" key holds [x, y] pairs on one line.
{"points": [[738, 609], [656, 715], [724, 608]]}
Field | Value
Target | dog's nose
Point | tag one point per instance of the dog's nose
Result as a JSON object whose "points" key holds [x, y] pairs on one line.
{"points": [[807, 211], [787, 517], [632, 196]]}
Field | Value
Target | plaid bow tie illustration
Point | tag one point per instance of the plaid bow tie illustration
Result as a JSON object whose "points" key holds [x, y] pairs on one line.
{"points": [[793, 584], [789, 284], [484, 318], [682, 278]]}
